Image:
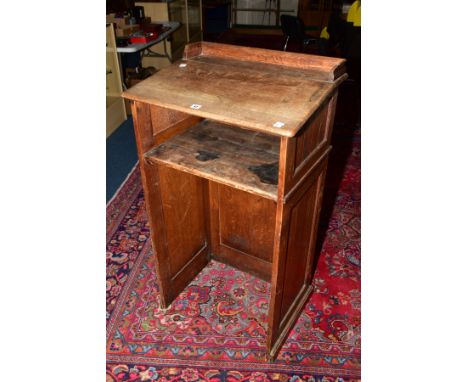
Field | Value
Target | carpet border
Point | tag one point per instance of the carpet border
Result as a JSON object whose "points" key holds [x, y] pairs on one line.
{"points": [[114, 317]]}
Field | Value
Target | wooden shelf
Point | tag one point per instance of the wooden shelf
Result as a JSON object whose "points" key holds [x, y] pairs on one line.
{"points": [[242, 159]]}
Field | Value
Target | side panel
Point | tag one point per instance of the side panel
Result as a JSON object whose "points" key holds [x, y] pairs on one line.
{"points": [[183, 208], [302, 169], [308, 140], [176, 204], [179, 227], [300, 232], [292, 284], [310, 144]]}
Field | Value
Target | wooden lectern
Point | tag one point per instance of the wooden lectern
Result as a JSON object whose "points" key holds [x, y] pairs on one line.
{"points": [[233, 145]]}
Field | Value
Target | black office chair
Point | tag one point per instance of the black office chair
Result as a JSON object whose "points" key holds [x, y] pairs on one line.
{"points": [[293, 29]]}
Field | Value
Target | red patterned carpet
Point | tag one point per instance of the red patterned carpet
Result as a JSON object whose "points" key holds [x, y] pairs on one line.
{"points": [[215, 330]]}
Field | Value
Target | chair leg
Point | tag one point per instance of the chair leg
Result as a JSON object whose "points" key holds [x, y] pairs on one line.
{"points": [[286, 44]]}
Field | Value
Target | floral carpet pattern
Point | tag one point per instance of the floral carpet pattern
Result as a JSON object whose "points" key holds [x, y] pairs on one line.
{"points": [[215, 329]]}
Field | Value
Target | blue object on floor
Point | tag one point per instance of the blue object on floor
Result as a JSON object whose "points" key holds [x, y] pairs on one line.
{"points": [[121, 156]]}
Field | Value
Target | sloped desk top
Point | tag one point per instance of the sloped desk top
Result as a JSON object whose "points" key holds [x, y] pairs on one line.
{"points": [[258, 89]]}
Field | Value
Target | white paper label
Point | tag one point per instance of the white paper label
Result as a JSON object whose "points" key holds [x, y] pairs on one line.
{"points": [[278, 124]]}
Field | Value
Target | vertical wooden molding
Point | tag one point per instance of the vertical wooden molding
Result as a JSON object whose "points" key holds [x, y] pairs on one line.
{"points": [[150, 181], [280, 245], [208, 223], [313, 256], [331, 116], [142, 125], [214, 216], [153, 201]]}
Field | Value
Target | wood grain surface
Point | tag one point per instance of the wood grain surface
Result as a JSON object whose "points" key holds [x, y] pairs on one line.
{"points": [[262, 96], [238, 237], [329, 67], [236, 157]]}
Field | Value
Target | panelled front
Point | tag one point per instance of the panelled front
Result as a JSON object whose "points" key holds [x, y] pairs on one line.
{"points": [[243, 227], [310, 146], [311, 140], [300, 229]]}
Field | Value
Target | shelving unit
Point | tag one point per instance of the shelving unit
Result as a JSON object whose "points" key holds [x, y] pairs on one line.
{"points": [[115, 106], [233, 145]]}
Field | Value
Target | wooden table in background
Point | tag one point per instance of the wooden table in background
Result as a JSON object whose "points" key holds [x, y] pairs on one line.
{"points": [[233, 145]]}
